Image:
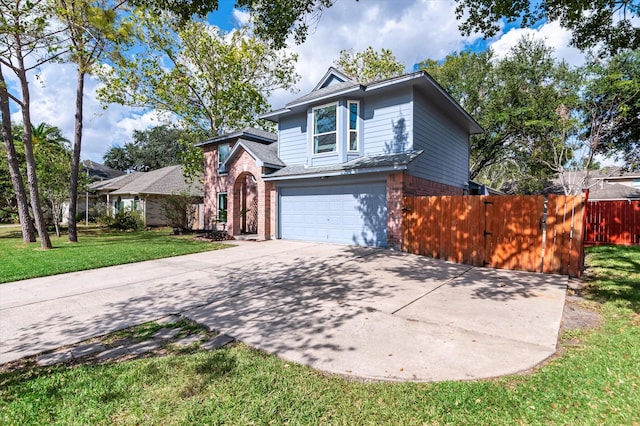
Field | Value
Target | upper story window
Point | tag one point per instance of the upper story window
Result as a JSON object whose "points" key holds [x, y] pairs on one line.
{"points": [[223, 153], [354, 112], [325, 126]]}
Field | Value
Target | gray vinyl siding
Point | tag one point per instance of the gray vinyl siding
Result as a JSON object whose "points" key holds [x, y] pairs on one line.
{"points": [[446, 146], [384, 114], [292, 139]]}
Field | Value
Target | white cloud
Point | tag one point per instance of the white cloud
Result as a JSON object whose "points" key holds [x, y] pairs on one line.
{"points": [[551, 33], [413, 29], [53, 99]]}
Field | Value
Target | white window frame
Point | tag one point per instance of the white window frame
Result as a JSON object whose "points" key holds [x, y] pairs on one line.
{"points": [[313, 129], [350, 130]]}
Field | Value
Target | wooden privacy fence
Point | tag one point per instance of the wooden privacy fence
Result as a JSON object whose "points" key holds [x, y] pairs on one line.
{"points": [[613, 222], [530, 233]]}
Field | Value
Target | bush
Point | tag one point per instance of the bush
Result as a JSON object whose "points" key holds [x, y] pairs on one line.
{"points": [[126, 220], [179, 210]]}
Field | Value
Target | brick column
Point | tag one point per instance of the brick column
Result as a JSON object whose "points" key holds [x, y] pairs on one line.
{"points": [[394, 210]]}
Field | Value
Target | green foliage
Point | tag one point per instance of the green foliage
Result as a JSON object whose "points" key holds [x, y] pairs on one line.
{"points": [[52, 153], [273, 21], [210, 81], [610, 25], [179, 210], [53, 159], [127, 220], [150, 149], [369, 65], [611, 107], [519, 101]]}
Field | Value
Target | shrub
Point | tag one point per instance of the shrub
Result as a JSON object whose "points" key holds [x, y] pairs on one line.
{"points": [[126, 220], [179, 209]]}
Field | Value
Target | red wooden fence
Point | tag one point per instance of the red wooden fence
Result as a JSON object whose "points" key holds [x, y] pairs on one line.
{"points": [[613, 222], [530, 233]]}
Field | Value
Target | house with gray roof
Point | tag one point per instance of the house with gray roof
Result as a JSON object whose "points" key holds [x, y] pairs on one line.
{"points": [[344, 156], [606, 184], [146, 192]]}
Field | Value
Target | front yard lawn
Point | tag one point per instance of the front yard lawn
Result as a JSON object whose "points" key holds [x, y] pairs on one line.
{"points": [[97, 247], [595, 380]]}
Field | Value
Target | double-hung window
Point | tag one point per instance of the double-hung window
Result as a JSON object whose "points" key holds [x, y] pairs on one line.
{"points": [[325, 126], [354, 112]]}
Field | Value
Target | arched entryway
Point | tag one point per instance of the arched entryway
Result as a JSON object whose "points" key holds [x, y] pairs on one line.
{"points": [[245, 204]]}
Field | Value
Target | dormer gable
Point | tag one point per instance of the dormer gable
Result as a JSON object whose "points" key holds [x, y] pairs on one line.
{"points": [[333, 77]]}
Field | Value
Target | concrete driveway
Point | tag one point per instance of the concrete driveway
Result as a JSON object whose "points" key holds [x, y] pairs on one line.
{"points": [[363, 312]]}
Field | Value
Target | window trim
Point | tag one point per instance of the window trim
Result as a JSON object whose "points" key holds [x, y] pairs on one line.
{"points": [[349, 129], [313, 129]]}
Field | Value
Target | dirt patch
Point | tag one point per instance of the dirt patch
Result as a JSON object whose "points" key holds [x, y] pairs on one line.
{"points": [[578, 316]]}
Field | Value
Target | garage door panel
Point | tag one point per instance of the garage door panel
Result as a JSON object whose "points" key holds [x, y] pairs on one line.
{"points": [[346, 214]]}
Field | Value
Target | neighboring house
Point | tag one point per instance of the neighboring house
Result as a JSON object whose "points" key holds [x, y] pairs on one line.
{"points": [[145, 192], [606, 184], [93, 172], [344, 157]]}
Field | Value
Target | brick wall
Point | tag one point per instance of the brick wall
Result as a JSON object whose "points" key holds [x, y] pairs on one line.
{"points": [[400, 184], [213, 184]]}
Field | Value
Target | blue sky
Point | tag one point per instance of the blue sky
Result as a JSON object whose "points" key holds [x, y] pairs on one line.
{"points": [[413, 29]]}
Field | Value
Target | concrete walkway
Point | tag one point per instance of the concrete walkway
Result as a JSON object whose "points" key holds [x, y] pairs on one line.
{"points": [[361, 312]]}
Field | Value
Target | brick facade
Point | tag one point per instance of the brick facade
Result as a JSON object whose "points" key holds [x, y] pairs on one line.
{"points": [[236, 183], [244, 186], [400, 184]]}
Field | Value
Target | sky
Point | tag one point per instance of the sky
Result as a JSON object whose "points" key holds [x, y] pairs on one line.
{"points": [[413, 30]]}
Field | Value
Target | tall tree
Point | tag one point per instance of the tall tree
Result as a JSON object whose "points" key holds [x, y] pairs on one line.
{"points": [[610, 24], [26, 42], [93, 30], [150, 149], [517, 100], [17, 189], [210, 81], [611, 107], [369, 65]]}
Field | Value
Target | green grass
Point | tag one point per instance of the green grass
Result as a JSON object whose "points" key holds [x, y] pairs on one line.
{"points": [[595, 382], [97, 247]]}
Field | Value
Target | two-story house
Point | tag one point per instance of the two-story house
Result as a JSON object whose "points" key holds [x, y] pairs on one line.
{"points": [[344, 156]]}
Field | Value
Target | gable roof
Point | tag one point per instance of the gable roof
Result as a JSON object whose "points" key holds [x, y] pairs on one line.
{"points": [[331, 77], [166, 181], [265, 155], [420, 79], [248, 133], [367, 164], [114, 183], [97, 171]]}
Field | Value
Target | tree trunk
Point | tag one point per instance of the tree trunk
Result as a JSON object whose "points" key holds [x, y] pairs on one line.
{"points": [[28, 232], [27, 140], [75, 162]]}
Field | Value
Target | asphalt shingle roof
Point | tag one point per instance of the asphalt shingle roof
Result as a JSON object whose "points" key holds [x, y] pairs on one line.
{"points": [[246, 133], [165, 181], [100, 171], [268, 154]]}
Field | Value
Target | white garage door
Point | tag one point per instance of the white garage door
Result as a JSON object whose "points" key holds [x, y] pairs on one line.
{"points": [[344, 214]]}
